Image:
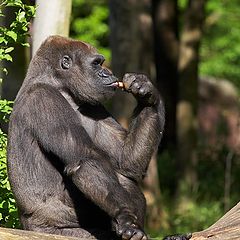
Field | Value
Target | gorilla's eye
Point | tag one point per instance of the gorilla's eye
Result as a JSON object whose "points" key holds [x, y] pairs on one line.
{"points": [[66, 62], [98, 60]]}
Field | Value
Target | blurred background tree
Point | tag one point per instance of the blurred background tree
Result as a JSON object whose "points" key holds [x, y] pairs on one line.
{"points": [[190, 49]]}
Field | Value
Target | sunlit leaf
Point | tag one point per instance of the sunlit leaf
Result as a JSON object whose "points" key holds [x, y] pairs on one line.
{"points": [[8, 50], [8, 57], [25, 44], [12, 34]]}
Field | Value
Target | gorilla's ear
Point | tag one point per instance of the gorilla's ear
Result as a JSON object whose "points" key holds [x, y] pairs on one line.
{"points": [[66, 62]]}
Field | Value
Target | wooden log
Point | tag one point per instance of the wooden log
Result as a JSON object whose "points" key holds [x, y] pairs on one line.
{"points": [[226, 228], [16, 234]]}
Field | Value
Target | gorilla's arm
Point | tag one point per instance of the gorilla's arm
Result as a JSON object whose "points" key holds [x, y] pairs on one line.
{"points": [[146, 127], [88, 166]]}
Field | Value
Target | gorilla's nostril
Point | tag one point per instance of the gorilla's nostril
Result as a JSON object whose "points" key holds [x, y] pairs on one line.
{"points": [[105, 73]]}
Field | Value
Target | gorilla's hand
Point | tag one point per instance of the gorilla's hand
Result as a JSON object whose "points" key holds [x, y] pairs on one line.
{"points": [[141, 87], [126, 227], [179, 237]]}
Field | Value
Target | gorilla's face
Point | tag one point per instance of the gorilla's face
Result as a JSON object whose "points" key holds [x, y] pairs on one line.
{"points": [[102, 81], [78, 69], [82, 72]]}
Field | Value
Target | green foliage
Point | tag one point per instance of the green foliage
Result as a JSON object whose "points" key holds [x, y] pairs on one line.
{"points": [[17, 31], [220, 52], [90, 24], [196, 216], [205, 206], [8, 210], [191, 217], [5, 109]]}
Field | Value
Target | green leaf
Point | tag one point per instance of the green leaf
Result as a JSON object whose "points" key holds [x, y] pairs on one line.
{"points": [[14, 3], [31, 10], [12, 35], [24, 28], [8, 50], [8, 57], [2, 39], [5, 70], [25, 44], [21, 16]]}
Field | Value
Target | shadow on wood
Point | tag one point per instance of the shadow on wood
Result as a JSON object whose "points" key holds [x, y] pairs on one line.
{"points": [[226, 228]]}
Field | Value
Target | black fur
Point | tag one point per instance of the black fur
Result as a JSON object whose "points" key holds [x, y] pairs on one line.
{"points": [[73, 169], [186, 236]]}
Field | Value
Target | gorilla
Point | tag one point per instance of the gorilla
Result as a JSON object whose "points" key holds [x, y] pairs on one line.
{"points": [[74, 170]]}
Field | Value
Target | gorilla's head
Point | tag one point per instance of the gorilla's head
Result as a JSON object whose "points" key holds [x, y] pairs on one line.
{"points": [[76, 67]]}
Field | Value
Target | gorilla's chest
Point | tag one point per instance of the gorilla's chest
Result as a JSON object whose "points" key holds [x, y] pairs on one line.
{"points": [[102, 132], [100, 126]]}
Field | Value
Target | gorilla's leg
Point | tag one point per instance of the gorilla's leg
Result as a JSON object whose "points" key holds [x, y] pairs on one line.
{"points": [[136, 195]]}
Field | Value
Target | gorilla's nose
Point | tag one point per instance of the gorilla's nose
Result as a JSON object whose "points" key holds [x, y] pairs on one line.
{"points": [[105, 73]]}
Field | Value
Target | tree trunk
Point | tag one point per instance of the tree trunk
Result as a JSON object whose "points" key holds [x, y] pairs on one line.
{"points": [[188, 95], [125, 51], [226, 228], [132, 51], [52, 18], [164, 13]]}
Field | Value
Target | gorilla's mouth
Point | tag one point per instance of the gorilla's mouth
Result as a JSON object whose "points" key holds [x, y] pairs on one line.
{"points": [[116, 84], [113, 84]]}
